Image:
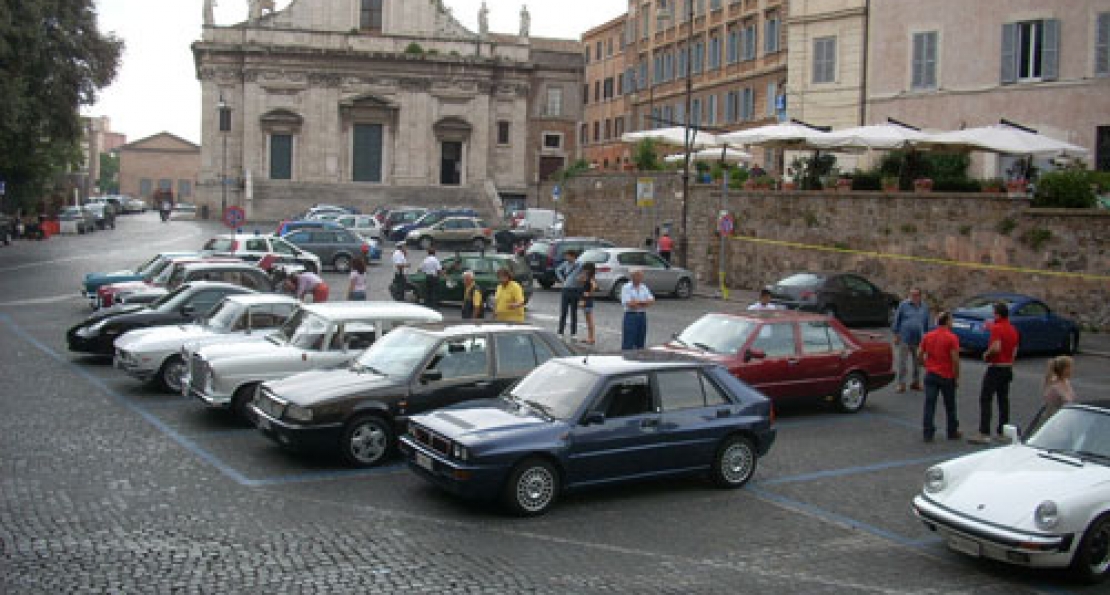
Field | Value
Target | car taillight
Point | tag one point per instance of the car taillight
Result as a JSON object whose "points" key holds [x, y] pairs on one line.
{"points": [[366, 248], [488, 232], [808, 295], [604, 269]]}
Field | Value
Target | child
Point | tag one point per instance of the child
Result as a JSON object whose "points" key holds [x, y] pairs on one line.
{"points": [[589, 287], [1057, 385]]}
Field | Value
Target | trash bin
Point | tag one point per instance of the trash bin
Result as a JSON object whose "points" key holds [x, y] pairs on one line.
{"points": [[204, 212]]}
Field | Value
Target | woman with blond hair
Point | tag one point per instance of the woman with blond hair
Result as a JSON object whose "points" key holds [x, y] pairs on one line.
{"points": [[1057, 385]]}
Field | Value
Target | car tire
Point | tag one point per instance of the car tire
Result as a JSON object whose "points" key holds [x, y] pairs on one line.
{"points": [[1071, 343], [735, 462], [426, 243], [367, 441], [1091, 563], [685, 289], [342, 263], [171, 373], [618, 285], [532, 487], [851, 396], [243, 397]]}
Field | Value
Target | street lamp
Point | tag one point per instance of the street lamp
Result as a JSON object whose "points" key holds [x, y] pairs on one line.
{"points": [[225, 127], [688, 139]]}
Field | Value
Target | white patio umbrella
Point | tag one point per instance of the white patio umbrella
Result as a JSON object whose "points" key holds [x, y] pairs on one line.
{"points": [[675, 135], [1001, 139], [878, 136], [729, 155], [787, 135]]}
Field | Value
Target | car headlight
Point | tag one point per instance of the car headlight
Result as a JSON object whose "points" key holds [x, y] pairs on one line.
{"points": [[298, 413], [934, 480], [1046, 516], [459, 452]]}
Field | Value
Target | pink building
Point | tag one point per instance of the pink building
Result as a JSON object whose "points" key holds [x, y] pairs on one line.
{"points": [[949, 64]]}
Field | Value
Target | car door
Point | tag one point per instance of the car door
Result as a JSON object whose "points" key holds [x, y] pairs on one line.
{"points": [[458, 370], [1035, 332], [289, 253], [865, 302], [693, 409], [624, 442], [823, 358], [659, 276], [773, 374]]}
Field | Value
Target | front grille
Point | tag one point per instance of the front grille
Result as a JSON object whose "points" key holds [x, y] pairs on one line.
{"points": [[198, 373], [269, 404], [431, 440]]}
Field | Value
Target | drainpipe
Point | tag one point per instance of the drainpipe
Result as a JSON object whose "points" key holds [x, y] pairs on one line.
{"points": [[863, 62]]}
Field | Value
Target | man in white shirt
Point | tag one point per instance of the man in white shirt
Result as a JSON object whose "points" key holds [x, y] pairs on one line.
{"points": [[432, 269], [635, 297], [400, 264], [764, 302]]}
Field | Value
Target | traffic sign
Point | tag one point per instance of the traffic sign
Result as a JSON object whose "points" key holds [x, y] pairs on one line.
{"points": [[234, 217], [726, 224], [556, 192]]}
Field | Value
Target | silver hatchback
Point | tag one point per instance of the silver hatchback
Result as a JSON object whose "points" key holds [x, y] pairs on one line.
{"points": [[614, 266]]}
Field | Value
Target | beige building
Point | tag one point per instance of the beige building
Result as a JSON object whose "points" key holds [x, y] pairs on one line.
{"points": [[827, 41], [607, 109], [949, 64], [159, 162], [367, 102]]}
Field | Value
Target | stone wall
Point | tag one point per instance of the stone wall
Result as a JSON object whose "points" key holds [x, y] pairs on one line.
{"points": [[951, 245]]}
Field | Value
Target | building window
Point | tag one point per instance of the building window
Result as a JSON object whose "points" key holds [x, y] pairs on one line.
{"points": [[586, 94], [714, 4], [646, 24], [608, 129], [608, 87], [771, 34], [682, 59], [1030, 51], [714, 53], [699, 57], [924, 67], [366, 164], [165, 184], [749, 42], [554, 105], [695, 112], [711, 110], [587, 53], [824, 60], [502, 132], [609, 50], [668, 66], [146, 187], [370, 17], [1102, 44], [747, 104], [597, 51], [772, 93], [583, 134], [184, 189], [552, 140], [643, 80], [680, 113], [281, 157], [618, 125], [733, 46], [597, 132]]}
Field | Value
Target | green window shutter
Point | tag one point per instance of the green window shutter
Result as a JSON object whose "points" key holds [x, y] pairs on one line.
{"points": [[930, 66], [367, 166], [1102, 45], [281, 157], [1009, 53], [1050, 50], [918, 62]]}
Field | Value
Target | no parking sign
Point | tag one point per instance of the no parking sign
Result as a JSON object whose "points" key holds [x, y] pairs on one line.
{"points": [[234, 217], [726, 225]]}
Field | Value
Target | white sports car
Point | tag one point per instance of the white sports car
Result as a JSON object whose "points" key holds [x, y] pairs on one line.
{"points": [[1044, 502]]}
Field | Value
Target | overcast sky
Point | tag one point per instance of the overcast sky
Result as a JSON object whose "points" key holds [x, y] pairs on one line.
{"points": [[157, 90]]}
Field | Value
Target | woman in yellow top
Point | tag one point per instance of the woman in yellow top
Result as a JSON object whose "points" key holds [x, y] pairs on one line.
{"points": [[509, 300]]}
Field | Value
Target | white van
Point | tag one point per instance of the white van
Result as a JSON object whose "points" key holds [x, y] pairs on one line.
{"points": [[547, 222]]}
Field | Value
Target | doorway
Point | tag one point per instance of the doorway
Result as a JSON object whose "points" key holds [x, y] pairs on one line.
{"points": [[450, 169], [1102, 149]]}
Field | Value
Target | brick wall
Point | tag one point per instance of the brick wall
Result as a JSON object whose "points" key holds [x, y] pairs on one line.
{"points": [[897, 240]]}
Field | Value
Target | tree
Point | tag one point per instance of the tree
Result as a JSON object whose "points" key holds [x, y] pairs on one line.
{"points": [[109, 173], [645, 156], [53, 60]]}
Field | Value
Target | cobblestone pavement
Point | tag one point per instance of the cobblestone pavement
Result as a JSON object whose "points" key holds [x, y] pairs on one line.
{"points": [[109, 487]]}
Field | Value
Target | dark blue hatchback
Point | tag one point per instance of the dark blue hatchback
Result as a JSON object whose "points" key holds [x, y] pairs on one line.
{"points": [[576, 422]]}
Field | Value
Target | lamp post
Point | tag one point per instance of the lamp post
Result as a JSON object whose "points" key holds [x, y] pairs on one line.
{"points": [[225, 127], [688, 139]]}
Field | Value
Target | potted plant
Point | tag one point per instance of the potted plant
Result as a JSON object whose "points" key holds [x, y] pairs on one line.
{"points": [[765, 182], [923, 185], [992, 185], [1017, 186], [789, 185], [890, 183], [844, 184], [703, 172]]}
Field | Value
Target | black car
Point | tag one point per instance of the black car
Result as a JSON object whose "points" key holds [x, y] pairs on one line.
{"points": [[544, 256], [243, 274], [581, 422], [845, 296], [97, 334], [359, 409]]}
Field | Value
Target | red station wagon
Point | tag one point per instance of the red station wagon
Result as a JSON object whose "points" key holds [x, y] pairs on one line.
{"points": [[790, 355]]}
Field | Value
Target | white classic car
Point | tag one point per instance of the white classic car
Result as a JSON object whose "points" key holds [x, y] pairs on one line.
{"points": [[155, 353], [226, 375], [1042, 503]]}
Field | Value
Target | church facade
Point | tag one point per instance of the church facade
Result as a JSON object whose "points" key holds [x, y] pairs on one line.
{"points": [[367, 102]]}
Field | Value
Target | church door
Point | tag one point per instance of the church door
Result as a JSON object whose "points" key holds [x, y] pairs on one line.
{"points": [[450, 173], [367, 165]]}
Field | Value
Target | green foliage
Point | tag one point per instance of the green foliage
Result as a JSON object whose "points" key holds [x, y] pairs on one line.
{"points": [[870, 180], [53, 60], [1069, 189], [645, 156], [414, 48], [571, 171], [808, 171], [908, 166], [109, 173], [1036, 238], [737, 177], [1100, 179], [956, 185], [1006, 226], [965, 230], [701, 167]]}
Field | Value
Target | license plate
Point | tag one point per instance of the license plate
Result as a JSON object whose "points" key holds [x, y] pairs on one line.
{"points": [[964, 545], [263, 423], [424, 461]]}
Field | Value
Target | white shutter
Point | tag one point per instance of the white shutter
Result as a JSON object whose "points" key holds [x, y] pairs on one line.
{"points": [[917, 77], [1009, 53], [772, 92], [1050, 50], [930, 67]]}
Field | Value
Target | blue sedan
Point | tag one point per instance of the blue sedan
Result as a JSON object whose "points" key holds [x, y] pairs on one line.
{"points": [[577, 422], [1039, 328]]}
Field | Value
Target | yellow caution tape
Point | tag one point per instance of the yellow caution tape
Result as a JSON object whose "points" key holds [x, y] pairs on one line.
{"points": [[940, 261]]}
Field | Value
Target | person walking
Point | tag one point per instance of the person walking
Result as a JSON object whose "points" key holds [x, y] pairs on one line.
{"points": [[568, 273], [764, 302], [940, 351], [432, 269], [1057, 386], [1000, 354], [666, 247], [473, 303], [165, 207], [357, 289], [636, 298], [400, 265], [911, 322], [509, 299], [589, 288], [306, 285]]}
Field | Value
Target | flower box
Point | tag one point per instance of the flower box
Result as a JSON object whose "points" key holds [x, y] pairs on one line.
{"points": [[923, 185], [844, 185], [890, 184], [1018, 186]]}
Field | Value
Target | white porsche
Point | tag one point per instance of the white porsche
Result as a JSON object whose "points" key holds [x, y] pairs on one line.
{"points": [[1044, 502]]}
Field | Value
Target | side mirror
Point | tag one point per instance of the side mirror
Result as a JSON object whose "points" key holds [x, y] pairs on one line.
{"points": [[1012, 434], [431, 376], [593, 418], [751, 354]]}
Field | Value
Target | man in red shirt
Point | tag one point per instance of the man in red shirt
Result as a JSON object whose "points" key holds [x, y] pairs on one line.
{"points": [[1001, 351], [666, 246], [940, 351]]}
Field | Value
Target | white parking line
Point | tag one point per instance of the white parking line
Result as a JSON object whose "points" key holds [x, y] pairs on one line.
{"points": [[53, 299]]}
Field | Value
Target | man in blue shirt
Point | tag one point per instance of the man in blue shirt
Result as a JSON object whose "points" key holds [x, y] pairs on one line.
{"points": [[568, 272], [911, 322], [635, 297]]}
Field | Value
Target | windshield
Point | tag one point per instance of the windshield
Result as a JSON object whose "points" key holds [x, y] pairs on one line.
{"points": [[398, 353], [717, 333], [556, 389], [802, 280], [148, 266], [171, 300], [220, 245], [539, 248], [1076, 430], [982, 305], [223, 317], [159, 273], [305, 330]]}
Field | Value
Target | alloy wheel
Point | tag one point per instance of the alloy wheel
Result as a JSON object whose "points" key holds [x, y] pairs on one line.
{"points": [[368, 442], [535, 488]]}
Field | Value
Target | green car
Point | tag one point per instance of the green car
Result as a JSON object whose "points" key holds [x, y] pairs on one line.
{"points": [[484, 266]]}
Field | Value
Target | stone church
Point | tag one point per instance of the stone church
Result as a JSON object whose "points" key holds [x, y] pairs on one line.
{"points": [[367, 102]]}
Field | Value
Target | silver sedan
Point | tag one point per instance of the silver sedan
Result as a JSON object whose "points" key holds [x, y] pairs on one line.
{"points": [[614, 266]]}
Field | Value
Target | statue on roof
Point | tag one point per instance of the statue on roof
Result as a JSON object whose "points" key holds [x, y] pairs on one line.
{"points": [[483, 20], [257, 6], [525, 20], [209, 12]]}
